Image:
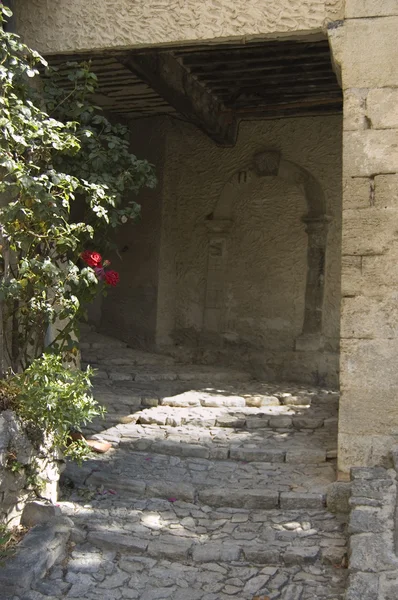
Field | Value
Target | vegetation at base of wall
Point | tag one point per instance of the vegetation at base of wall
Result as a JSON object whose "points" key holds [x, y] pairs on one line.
{"points": [[67, 178], [58, 401]]}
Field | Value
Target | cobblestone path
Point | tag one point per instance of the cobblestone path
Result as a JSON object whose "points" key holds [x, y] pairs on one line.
{"points": [[214, 488]]}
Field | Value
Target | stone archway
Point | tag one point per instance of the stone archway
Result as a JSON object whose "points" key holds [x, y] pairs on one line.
{"points": [[219, 223]]}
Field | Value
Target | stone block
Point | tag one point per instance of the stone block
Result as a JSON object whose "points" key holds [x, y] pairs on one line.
{"points": [[382, 108], [380, 272], [299, 555], [262, 555], [356, 9], [257, 454], [215, 552], [280, 422], [306, 456], [376, 489], [370, 152], [369, 232], [351, 275], [117, 541], [38, 512], [372, 552], [369, 53], [362, 586], [370, 317], [386, 190], [234, 498], [369, 473], [357, 192], [363, 449], [368, 519], [298, 500], [337, 496], [261, 400], [354, 109], [170, 547], [388, 586], [168, 489], [368, 367]]}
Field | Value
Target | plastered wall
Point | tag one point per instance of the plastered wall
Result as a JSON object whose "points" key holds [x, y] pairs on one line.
{"points": [[53, 26], [266, 256]]}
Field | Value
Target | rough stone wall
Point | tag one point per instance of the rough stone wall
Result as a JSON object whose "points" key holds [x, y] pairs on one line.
{"points": [[266, 257], [58, 26], [25, 470], [129, 311], [373, 562], [369, 321]]}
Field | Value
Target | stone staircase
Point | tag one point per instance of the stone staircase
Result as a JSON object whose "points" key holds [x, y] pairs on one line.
{"points": [[215, 487]]}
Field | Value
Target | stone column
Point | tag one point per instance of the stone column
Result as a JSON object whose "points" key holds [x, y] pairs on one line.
{"points": [[311, 337], [369, 319], [218, 232]]}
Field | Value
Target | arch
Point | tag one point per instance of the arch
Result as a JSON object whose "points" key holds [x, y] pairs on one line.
{"points": [[270, 164]]}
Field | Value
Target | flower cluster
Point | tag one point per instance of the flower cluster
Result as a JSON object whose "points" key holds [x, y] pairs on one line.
{"points": [[94, 260]]}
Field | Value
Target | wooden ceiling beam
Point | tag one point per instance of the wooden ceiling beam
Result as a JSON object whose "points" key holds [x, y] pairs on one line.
{"points": [[237, 68], [170, 80]]}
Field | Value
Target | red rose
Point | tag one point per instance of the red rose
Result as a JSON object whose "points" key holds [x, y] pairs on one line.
{"points": [[112, 278], [92, 259]]}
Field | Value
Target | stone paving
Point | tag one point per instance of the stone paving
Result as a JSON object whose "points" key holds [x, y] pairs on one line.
{"points": [[214, 488]]}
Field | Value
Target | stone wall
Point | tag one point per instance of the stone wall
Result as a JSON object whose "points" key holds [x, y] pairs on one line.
{"points": [[369, 322], [26, 470], [265, 266], [59, 26], [373, 561]]}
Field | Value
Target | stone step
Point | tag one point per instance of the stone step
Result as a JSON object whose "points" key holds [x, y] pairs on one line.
{"points": [[180, 530], [217, 443], [123, 356], [178, 394], [154, 373], [281, 417], [227, 419], [98, 573], [227, 481]]}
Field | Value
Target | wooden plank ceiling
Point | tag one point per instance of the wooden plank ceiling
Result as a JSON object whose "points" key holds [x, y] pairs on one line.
{"points": [[215, 86]]}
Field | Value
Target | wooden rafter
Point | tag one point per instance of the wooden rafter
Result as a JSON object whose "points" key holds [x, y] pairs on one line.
{"points": [[168, 78]]}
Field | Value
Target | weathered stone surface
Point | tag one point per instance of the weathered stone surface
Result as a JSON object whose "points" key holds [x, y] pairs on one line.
{"points": [[370, 152], [38, 512], [357, 192], [382, 107], [355, 109], [117, 541], [296, 500], [301, 555], [369, 232], [372, 552], [306, 455], [337, 497], [388, 586], [355, 9], [369, 53], [370, 317], [367, 519], [386, 190], [362, 586], [351, 275]]}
